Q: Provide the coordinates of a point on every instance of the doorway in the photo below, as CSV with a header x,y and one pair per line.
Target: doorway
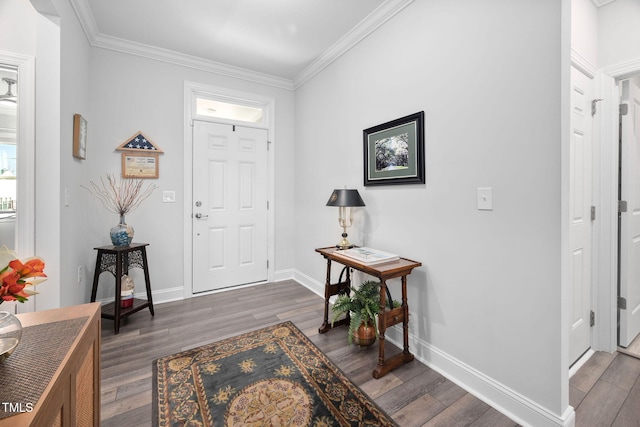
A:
x,y
628,283
255,112
8,155
230,205
580,208
17,160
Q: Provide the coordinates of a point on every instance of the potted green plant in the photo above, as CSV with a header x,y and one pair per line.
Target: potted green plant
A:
x,y
362,306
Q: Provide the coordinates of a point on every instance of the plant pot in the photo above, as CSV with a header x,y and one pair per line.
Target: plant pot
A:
x,y
10,334
365,335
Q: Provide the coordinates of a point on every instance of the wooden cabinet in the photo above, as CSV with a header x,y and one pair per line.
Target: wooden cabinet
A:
x,y
72,396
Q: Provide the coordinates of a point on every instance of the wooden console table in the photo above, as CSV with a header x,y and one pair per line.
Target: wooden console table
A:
x,y
54,373
117,260
386,317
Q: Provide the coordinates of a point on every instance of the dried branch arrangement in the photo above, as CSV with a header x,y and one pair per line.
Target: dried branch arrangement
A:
x,y
122,195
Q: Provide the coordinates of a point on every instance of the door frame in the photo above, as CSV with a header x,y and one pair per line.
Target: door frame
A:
x,y
606,246
590,75
26,186
191,91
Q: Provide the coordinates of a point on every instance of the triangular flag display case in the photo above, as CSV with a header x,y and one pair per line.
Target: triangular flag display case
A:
x,y
139,157
139,142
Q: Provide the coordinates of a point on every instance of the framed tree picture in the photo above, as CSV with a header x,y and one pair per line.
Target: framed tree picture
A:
x,y
394,152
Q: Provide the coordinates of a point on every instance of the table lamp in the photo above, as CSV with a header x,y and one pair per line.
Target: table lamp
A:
x,y
345,199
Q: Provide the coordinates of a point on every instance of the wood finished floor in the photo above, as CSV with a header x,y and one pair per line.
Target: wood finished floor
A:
x,y
606,390
633,349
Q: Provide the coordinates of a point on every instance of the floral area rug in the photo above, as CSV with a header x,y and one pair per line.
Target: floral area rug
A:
x,y
269,377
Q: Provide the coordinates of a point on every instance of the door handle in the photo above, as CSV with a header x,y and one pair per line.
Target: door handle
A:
x,y
200,216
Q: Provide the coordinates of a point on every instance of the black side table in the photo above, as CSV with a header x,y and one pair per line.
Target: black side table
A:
x,y
117,260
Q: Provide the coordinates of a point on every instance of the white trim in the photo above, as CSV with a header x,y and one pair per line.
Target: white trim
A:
x,y
509,402
605,335
583,64
623,69
600,3
375,19
188,189
281,275
25,222
177,58
85,16
26,184
159,297
384,12
565,295
309,282
191,91
580,362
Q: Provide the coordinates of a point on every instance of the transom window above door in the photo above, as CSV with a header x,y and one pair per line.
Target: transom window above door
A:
x,y
230,110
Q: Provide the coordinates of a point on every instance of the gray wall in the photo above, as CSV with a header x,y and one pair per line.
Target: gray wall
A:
x,y
489,293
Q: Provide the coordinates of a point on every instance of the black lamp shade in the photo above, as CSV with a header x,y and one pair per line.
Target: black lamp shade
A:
x,y
344,197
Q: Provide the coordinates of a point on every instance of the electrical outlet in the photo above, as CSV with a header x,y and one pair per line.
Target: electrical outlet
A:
x,y
80,269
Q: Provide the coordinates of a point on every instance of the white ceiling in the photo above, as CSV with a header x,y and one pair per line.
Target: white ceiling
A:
x,y
279,42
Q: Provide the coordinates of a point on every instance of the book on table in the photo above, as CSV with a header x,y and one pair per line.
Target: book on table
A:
x,y
367,256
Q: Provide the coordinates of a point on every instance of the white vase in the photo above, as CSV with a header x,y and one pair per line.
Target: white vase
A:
x,y
10,334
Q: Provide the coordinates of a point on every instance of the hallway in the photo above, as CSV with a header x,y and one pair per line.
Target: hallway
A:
x,y
606,391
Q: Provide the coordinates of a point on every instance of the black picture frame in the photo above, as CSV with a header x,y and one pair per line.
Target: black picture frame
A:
x,y
394,152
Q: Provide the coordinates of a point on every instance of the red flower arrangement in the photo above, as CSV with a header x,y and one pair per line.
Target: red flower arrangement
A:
x,y
18,276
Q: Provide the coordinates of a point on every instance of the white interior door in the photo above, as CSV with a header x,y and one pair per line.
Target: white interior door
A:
x,y
580,211
230,205
629,289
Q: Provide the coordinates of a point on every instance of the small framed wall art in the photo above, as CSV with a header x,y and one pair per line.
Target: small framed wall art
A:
x,y
139,157
394,152
79,137
139,165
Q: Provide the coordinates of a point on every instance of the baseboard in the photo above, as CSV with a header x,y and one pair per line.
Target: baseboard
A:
x,y
281,275
177,293
507,401
580,362
309,283
164,295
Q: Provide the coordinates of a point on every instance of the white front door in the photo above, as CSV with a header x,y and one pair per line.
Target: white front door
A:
x,y
230,205
580,210
630,220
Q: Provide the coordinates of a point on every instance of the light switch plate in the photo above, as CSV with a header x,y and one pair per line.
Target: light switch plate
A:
x,y
485,198
168,197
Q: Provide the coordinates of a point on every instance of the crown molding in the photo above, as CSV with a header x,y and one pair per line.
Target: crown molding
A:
x,y
85,16
583,64
177,58
96,39
599,3
623,70
368,25
375,19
